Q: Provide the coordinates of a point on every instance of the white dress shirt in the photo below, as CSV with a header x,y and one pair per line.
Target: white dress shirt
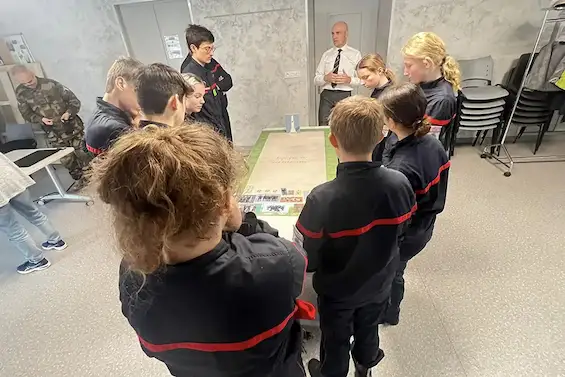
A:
x,y
347,64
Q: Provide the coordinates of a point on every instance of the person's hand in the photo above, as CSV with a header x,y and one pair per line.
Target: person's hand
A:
x,y
47,121
330,77
65,116
342,79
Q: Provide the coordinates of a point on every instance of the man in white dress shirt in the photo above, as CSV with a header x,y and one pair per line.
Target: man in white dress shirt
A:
x,y
336,72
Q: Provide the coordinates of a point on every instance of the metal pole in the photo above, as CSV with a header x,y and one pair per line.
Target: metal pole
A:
x,y
521,89
190,13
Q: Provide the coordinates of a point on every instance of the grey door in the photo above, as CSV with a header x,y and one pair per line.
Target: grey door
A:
x,y
154,31
361,17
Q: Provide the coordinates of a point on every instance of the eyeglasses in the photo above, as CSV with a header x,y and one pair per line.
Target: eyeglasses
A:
x,y
209,49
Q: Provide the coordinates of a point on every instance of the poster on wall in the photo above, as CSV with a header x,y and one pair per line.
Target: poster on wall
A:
x,y
18,48
172,45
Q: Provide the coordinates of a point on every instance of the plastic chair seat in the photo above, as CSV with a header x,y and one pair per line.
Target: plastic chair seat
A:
x,y
480,112
480,117
484,93
483,105
475,124
531,121
532,114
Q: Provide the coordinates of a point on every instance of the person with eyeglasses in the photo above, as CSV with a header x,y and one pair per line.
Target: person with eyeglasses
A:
x,y
200,43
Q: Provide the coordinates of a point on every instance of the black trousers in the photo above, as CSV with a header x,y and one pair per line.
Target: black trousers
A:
x,y
328,99
341,320
396,293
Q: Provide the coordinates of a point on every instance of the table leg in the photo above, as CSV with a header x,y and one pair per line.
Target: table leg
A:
x,y
61,193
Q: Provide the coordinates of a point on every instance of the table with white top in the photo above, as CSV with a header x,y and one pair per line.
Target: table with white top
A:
x,y
46,164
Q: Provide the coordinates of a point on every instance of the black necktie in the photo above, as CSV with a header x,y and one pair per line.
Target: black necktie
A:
x,y
336,64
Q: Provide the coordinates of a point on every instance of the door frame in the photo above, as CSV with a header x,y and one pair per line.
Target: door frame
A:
x,y
123,31
384,16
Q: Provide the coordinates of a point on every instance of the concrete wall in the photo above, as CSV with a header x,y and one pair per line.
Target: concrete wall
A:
x,y
257,42
77,40
504,29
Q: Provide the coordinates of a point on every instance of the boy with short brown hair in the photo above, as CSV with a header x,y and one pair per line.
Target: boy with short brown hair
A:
x,y
114,111
350,228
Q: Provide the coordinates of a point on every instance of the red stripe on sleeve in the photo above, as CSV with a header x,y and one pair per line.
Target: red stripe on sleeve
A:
x,y
309,233
374,223
219,347
93,150
435,180
216,67
439,122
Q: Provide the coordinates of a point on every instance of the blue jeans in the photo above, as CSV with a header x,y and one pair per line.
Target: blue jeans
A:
x,y
17,234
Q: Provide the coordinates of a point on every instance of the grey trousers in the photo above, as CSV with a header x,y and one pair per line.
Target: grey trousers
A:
x,y
328,99
17,234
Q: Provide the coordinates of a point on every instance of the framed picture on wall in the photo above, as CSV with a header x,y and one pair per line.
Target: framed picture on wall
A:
x,y
18,48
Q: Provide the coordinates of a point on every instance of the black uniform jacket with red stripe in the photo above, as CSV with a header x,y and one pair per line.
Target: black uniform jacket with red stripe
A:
x,y
424,162
228,313
442,103
350,228
212,110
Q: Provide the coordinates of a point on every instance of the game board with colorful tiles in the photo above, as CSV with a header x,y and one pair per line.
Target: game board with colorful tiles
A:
x,y
273,202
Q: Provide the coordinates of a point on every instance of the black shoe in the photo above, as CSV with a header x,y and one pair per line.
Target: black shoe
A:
x,y
362,371
314,367
29,267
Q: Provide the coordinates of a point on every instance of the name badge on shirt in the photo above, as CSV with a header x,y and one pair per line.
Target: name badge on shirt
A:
x,y
297,237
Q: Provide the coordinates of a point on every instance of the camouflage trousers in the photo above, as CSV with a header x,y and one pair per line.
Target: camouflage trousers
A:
x,y
76,163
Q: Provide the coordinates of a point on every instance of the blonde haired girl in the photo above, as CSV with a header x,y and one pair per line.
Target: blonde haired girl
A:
x,y
427,64
375,74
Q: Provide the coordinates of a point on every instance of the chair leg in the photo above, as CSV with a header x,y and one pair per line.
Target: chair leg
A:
x,y
495,133
543,129
477,134
522,129
485,133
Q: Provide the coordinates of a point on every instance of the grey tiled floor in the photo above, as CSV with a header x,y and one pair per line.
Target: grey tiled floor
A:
x,y
486,298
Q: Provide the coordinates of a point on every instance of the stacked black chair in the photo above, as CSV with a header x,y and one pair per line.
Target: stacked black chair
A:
x,y
533,111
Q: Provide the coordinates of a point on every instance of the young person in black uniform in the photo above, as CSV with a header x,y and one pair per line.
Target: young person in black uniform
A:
x,y
375,75
200,42
350,228
114,111
194,101
423,160
161,92
427,64
204,299
225,83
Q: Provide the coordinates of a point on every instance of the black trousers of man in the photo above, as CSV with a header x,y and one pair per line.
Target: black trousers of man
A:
x,y
339,321
328,99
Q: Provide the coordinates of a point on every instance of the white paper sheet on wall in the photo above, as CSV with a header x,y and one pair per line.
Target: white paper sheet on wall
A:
x,y
172,45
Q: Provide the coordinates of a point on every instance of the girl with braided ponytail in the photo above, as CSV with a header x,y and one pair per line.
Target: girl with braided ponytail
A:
x,y
427,64
423,160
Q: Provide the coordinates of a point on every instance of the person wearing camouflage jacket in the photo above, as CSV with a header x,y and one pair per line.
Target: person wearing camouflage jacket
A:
x,y
55,107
